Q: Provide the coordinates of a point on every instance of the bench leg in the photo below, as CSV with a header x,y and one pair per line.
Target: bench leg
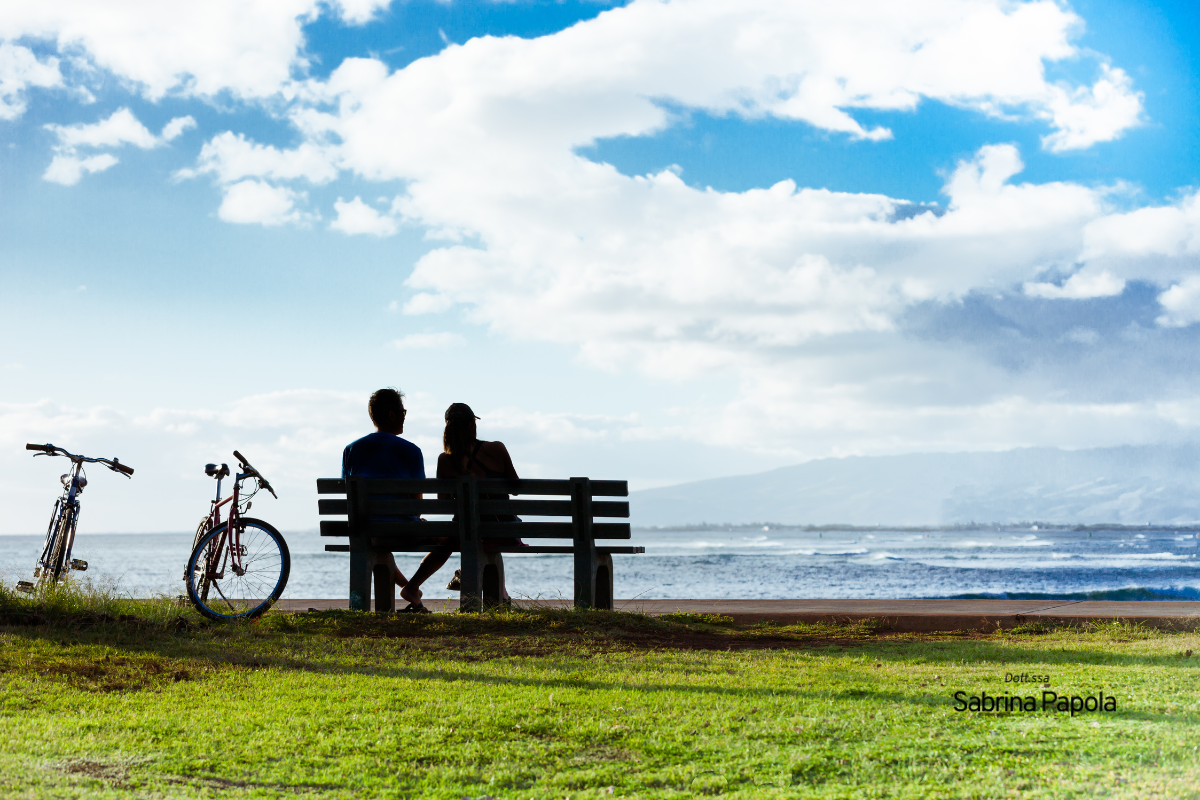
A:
x,y
604,582
470,577
493,578
361,563
385,587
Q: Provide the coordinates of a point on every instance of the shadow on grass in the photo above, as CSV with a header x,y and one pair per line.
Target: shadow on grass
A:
x,y
170,634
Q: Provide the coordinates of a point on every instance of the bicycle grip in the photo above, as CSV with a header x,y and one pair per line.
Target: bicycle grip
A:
x,y
45,448
123,468
240,457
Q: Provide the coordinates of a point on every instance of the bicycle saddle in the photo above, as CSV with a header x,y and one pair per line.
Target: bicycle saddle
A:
x,y
213,471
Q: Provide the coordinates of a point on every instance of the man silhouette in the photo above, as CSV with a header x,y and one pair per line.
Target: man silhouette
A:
x,y
384,455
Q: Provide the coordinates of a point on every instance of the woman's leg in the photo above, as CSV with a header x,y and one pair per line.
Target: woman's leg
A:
x,y
429,565
382,556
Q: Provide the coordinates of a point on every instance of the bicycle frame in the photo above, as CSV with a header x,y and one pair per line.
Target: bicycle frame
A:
x,y
233,533
66,503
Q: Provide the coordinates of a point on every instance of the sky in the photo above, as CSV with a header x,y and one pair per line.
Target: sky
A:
x,y
653,241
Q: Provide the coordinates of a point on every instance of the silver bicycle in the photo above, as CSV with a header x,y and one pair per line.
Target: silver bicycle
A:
x,y
60,536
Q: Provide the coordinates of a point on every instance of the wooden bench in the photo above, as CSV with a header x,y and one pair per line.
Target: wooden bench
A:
x,y
366,505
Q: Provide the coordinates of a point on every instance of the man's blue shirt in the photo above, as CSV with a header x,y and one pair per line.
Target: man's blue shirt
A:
x,y
383,455
386,456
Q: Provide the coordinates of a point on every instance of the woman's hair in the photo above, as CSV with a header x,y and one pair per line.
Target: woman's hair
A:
x,y
460,430
385,404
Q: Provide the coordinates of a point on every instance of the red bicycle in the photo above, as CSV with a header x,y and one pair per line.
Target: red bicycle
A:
x,y
238,567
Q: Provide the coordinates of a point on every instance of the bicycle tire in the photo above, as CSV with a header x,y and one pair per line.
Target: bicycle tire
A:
x,y
267,562
56,565
48,545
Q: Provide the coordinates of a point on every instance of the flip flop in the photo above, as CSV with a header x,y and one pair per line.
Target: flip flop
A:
x,y
414,609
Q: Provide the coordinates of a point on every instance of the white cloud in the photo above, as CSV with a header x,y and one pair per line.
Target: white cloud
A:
x,y
360,12
69,169
175,128
121,127
1084,116
428,341
425,303
1181,303
246,48
1082,285
357,217
19,70
255,202
231,157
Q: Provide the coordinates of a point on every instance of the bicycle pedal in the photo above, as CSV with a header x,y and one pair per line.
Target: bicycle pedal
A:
x,y
79,564
25,586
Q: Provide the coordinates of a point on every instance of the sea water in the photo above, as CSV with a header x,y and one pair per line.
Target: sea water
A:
x,y
737,563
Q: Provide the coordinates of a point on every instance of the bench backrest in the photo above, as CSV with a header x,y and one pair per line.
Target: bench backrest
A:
x,y
367,504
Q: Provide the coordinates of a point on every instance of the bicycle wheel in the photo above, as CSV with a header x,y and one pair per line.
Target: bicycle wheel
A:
x,y
54,564
218,591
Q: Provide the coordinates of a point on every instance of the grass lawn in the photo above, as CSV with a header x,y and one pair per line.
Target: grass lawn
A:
x,y
557,704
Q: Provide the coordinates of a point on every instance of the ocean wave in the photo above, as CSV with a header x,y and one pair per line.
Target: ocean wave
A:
x,y
859,552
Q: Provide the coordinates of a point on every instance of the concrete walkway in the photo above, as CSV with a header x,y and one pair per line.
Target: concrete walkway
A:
x,y
901,615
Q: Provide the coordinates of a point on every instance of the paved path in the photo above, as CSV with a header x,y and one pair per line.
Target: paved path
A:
x,y
903,615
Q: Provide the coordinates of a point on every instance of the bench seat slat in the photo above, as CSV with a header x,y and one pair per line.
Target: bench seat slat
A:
x,y
533,530
618,550
552,530
550,488
550,508
533,486
389,506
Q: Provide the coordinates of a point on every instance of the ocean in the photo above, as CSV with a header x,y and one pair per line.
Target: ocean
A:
x,y
737,563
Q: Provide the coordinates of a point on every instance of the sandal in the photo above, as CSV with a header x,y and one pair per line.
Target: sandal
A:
x,y
455,583
418,608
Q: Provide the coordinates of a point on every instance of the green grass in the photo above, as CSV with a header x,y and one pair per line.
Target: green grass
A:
x,y
554,704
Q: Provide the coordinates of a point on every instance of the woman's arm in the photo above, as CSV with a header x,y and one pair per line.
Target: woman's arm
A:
x,y
444,470
500,453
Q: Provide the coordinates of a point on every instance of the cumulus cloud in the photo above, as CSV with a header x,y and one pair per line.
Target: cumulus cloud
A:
x,y
19,70
231,157
68,170
1181,304
1084,116
1080,286
360,12
255,202
121,127
357,217
175,128
246,48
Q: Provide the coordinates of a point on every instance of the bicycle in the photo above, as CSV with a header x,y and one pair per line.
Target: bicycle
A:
x,y
238,568
60,535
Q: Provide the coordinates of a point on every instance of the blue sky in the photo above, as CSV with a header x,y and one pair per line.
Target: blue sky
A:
x,y
576,218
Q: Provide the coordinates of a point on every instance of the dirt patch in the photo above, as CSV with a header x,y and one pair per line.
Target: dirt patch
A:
x,y
110,674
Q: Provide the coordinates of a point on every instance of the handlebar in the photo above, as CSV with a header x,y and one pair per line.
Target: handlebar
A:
x,y
112,463
249,470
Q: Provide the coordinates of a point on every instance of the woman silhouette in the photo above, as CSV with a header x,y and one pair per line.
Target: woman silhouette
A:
x,y
464,454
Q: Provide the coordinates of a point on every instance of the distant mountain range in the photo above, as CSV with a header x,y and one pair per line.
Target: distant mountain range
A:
x,y
1126,485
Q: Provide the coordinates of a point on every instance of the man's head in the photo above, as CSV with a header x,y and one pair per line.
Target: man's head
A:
x,y
386,408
